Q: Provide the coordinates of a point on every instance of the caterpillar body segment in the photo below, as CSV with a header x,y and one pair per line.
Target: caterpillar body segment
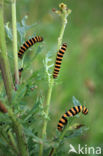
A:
x,y
59,58
28,44
71,112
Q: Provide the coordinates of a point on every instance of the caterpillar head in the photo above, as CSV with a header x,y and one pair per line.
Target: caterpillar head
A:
x,y
21,69
65,45
40,38
85,110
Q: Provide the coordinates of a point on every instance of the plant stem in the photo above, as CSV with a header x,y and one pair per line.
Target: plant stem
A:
x,y
46,112
12,142
4,63
63,13
15,41
64,22
53,151
22,146
47,105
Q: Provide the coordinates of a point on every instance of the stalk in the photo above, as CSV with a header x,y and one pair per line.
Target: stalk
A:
x,y
53,151
63,13
12,142
4,63
64,22
4,66
47,106
18,129
15,41
46,112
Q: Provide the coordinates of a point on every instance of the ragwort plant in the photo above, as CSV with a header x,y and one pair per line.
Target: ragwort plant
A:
x,y
20,132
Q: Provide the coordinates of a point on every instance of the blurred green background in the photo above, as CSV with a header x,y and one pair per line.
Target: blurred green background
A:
x,y
81,74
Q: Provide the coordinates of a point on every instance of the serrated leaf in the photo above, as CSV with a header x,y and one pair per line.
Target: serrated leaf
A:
x,y
77,132
8,31
75,101
33,111
17,96
48,67
39,49
23,28
29,132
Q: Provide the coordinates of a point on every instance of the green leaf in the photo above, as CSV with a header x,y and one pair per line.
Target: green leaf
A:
x,y
32,111
22,28
76,132
47,66
8,31
17,96
75,101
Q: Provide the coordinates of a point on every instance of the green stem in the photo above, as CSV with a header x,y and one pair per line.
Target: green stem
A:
x,y
60,139
15,41
46,112
9,141
64,14
64,22
47,106
4,63
12,142
22,146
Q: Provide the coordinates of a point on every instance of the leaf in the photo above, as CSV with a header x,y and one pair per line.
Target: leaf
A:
x,y
75,101
8,31
17,96
33,111
48,67
35,138
29,64
23,28
76,132
39,49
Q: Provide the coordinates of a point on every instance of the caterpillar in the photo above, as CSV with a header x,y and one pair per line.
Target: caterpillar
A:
x,y
71,112
28,44
20,71
59,58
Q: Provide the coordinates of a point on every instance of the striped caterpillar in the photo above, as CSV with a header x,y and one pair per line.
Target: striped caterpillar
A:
x,y
28,44
71,112
59,60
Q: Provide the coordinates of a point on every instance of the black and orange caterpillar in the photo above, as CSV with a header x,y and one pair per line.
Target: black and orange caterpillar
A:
x,y
20,71
59,60
71,112
28,44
